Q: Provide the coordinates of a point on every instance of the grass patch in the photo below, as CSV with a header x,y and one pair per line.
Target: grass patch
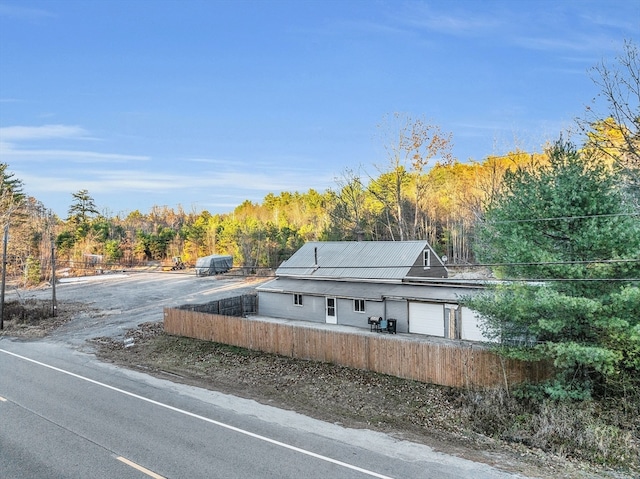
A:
x,y
27,312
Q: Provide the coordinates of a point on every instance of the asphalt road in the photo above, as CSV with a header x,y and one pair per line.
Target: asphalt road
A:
x,y
64,414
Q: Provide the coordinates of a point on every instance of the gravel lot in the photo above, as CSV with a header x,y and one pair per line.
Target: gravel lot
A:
x,y
110,304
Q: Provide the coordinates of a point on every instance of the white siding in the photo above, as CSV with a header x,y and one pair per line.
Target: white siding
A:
x,y
426,318
471,325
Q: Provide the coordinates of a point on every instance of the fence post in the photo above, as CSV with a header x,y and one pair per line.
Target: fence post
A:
x,y
4,273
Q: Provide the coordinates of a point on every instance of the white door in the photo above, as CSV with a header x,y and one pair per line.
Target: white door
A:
x,y
426,318
332,317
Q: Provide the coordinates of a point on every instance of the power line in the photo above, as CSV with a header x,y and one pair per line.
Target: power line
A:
x,y
469,265
546,280
545,263
118,266
554,218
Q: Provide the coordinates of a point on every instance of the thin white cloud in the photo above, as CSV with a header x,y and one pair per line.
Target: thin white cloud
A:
x,y
210,161
13,11
463,22
364,26
97,181
11,155
456,25
547,31
574,43
609,21
17,145
141,181
268,165
36,184
411,20
10,134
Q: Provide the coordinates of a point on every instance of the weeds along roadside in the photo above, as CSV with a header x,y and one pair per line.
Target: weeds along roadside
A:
x,y
604,432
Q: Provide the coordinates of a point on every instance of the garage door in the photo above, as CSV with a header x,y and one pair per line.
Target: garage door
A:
x,y
426,318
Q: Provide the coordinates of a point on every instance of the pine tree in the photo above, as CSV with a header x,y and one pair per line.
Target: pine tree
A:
x,y
565,233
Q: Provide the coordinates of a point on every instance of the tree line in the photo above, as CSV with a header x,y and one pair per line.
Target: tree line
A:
x,y
441,205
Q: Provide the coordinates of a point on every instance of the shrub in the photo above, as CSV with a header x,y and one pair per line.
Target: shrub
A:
x,y
32,271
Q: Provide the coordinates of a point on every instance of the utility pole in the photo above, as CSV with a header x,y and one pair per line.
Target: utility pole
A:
x,y
4,273
54,304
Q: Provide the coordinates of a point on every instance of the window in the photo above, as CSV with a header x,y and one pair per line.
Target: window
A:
x,y
297,299
426,259
358,305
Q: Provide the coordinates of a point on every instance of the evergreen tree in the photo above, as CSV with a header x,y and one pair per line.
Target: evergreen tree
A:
x,y
564,230
11,194
81,211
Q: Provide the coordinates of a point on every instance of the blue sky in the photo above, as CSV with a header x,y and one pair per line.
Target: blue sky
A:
x,y
205,104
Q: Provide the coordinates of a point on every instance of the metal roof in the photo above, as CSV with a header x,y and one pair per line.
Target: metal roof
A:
x,y
377,260
371,291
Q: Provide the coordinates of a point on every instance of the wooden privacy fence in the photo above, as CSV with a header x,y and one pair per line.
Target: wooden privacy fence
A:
x,y
448,363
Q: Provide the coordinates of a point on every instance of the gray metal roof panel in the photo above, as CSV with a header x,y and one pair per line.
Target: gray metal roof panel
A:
x,y
354,259
369,291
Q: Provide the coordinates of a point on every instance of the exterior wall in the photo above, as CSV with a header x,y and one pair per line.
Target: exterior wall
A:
x,y
435,270
279,305
348,317
398,309
388,309
313,309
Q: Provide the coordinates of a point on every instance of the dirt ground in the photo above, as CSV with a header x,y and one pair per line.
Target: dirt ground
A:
x,y
410,410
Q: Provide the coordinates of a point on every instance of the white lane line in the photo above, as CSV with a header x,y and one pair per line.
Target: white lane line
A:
x,y
202,418
140,468
2,399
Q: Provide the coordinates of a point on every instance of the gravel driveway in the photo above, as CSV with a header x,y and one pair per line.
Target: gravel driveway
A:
x,y
109,304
